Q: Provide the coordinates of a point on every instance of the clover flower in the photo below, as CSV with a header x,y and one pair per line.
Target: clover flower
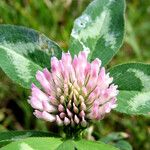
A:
x,y
74,92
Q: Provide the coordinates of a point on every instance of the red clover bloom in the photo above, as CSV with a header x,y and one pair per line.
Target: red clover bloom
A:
x,y
74,92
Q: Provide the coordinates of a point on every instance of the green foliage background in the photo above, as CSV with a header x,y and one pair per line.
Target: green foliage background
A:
x,y
55,19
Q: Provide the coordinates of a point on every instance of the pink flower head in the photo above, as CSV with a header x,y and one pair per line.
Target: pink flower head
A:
x,y
74,91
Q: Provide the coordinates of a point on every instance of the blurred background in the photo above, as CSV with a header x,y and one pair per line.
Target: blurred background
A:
x,y
55,19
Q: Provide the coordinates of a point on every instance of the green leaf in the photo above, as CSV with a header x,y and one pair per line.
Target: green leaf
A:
x,y
116,139
133,80
52,143
41,143
23,51
11,136
67,145
114,136
99,29
90,145
123,145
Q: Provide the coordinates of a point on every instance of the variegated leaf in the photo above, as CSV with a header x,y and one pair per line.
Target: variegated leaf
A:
x,y
91,145
100,29
23,51
38,143
11,136
56,144
133,80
